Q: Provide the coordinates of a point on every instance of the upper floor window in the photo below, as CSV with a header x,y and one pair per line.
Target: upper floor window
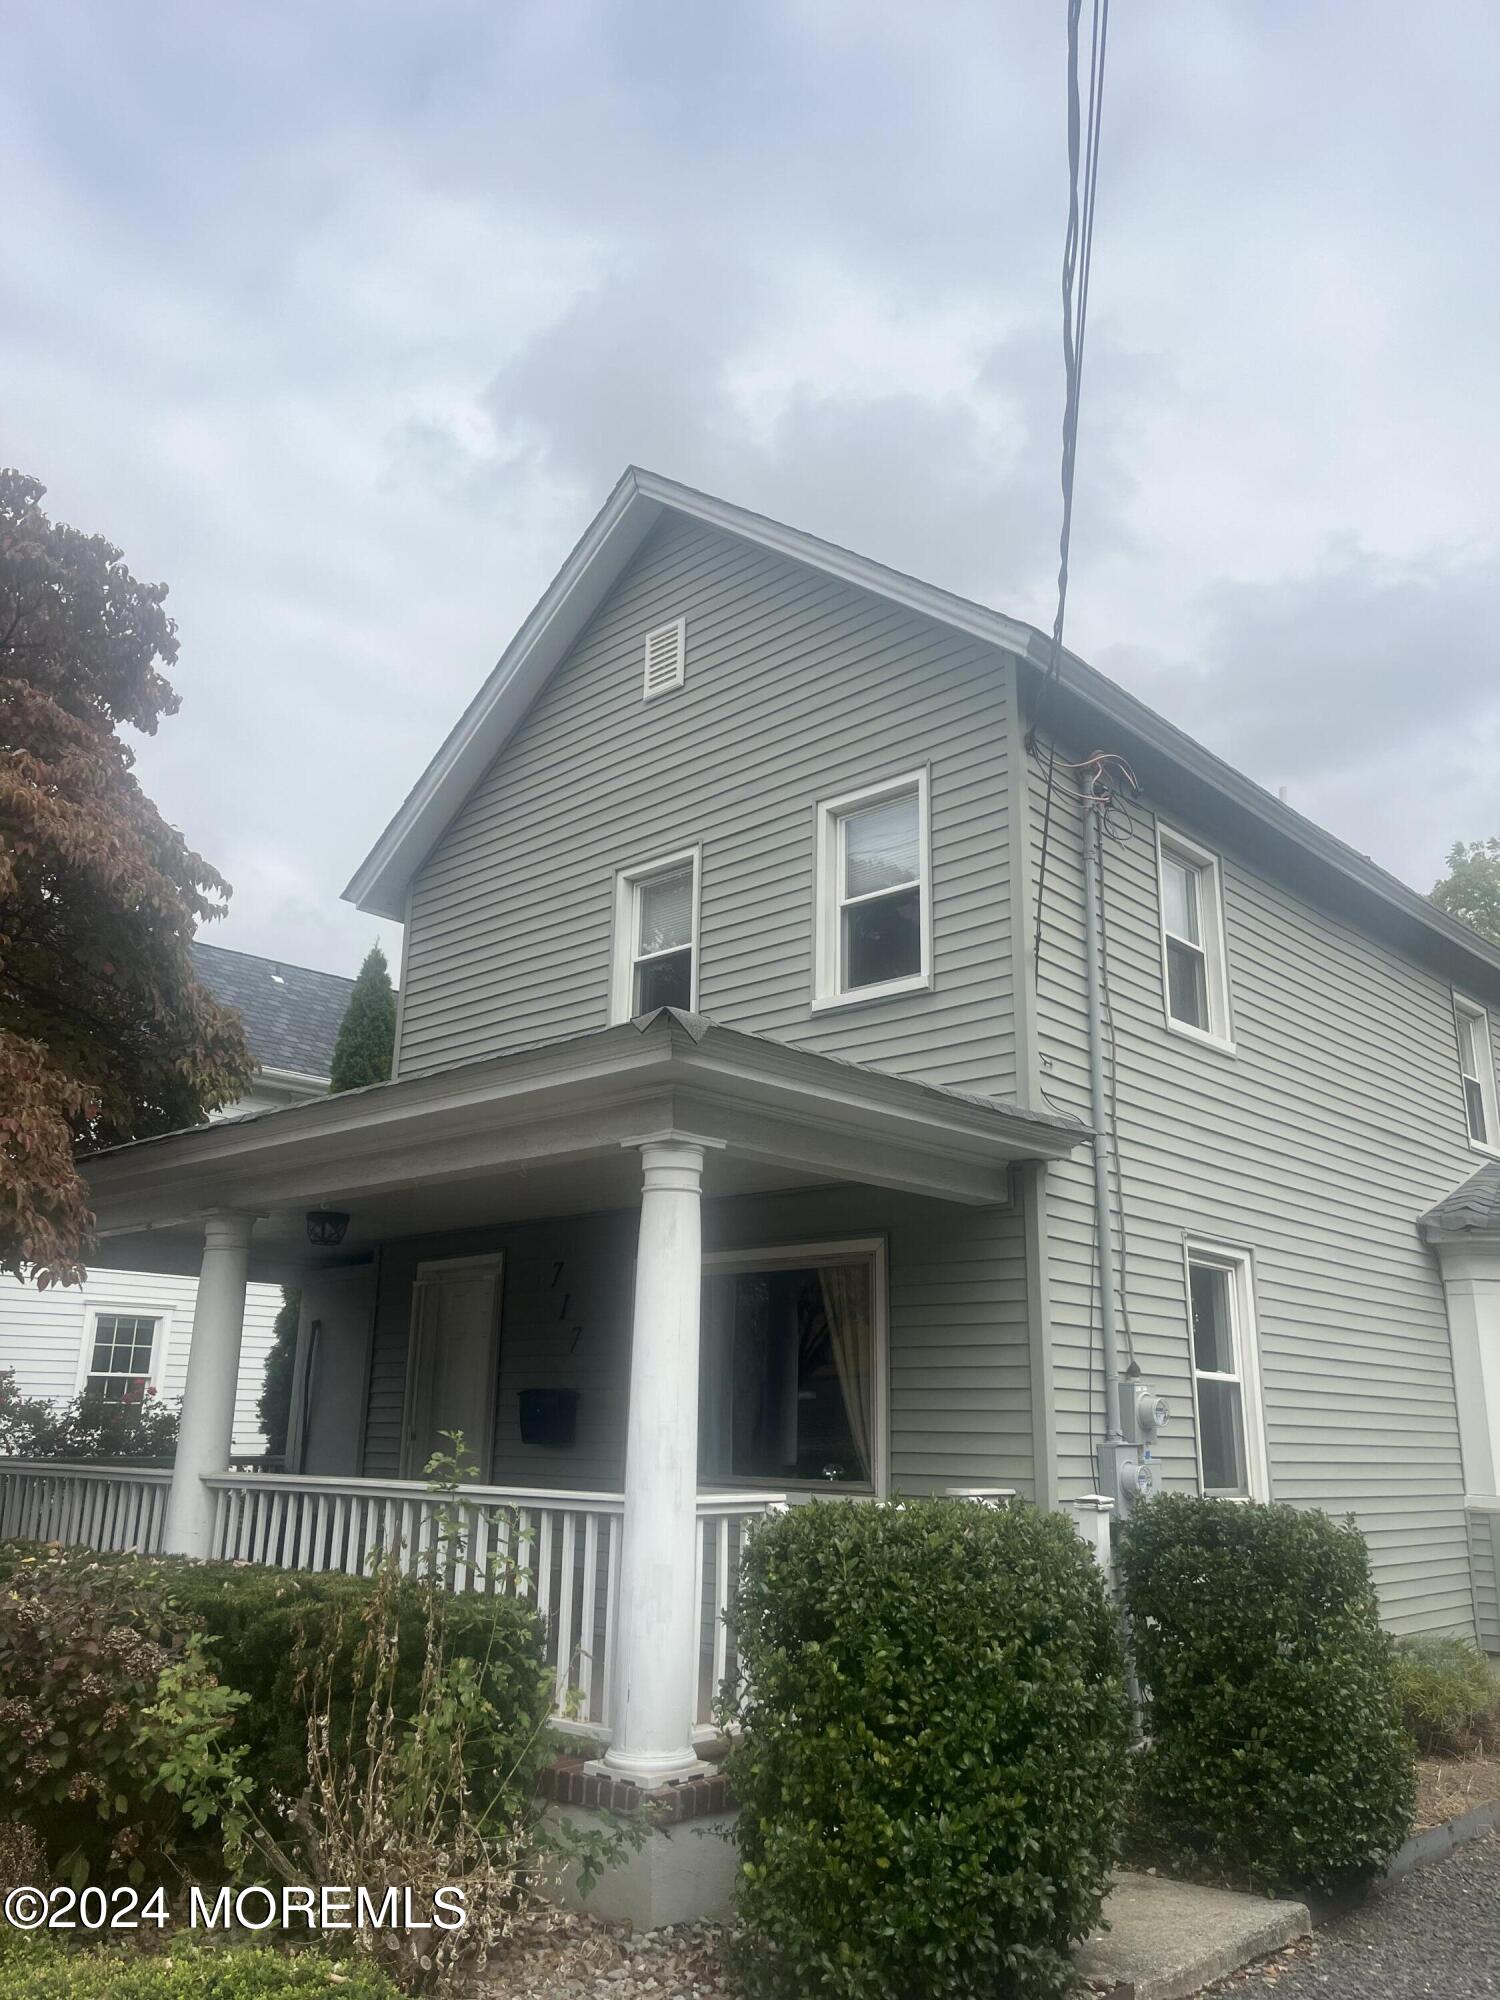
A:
x,y
1476,1065
1194,969
874,895
656,937
1226,1375
120,1363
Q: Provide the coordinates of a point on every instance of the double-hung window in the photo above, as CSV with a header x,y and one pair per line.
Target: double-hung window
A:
x,y
1226,1375
656,937
120,1363
1194,970
1476,1066
874,896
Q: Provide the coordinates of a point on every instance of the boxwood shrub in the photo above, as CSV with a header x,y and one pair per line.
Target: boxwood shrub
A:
x,y
262,1628
1275,1750
933,1761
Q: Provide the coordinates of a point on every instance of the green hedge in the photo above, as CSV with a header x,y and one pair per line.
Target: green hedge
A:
x,y
264,1628
1275,1749
38,1968
933,1764
1449,1695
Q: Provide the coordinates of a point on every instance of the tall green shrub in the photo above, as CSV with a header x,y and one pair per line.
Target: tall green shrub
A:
x,y
366,1041
932,1769
274,1407
1275,1751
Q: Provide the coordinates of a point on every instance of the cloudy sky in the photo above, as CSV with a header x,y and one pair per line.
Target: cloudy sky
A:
x,y
343,317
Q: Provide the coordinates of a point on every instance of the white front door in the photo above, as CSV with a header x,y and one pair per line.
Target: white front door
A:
x,y
450,1374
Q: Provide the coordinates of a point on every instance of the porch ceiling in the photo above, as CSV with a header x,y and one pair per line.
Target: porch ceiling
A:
x,y
544,1132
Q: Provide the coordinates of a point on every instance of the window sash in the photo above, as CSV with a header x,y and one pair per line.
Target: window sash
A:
x,y
1476,1068
1224,1421
1195,972
121,1352
906,799
632,886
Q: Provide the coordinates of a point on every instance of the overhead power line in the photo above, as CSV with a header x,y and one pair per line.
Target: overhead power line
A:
x,y
1084,124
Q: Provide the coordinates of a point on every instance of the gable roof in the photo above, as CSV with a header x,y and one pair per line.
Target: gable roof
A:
x,y
1471,1210
640,500
291,1013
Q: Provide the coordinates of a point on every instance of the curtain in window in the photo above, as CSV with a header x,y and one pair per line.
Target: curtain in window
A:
x,y
846,1301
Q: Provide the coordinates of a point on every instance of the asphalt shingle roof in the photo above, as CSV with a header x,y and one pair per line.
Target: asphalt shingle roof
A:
x,y
291,1013
1471,1210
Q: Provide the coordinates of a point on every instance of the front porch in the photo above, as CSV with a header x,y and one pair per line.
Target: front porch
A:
x,y
662,1278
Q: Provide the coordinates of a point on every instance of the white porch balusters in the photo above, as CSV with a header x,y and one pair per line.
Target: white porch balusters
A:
x,y
656,1645
205,1430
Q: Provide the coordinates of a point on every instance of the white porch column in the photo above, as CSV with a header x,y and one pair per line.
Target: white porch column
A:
x,y
656,1645
205,1430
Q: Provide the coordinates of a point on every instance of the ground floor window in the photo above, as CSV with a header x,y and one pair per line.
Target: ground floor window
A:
x,y
119,1368
1226,1375
793,1365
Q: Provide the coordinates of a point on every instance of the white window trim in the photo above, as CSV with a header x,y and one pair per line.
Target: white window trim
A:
x,y
1220,1031
788,1256
1466,1007
1240,1267
623,959
160,1339
829,813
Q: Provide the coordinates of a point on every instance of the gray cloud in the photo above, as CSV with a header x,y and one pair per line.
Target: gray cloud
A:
x,y
343,319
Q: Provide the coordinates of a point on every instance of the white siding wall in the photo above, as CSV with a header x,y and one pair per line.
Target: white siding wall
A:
x,y
1316,1145
42,1336
798,689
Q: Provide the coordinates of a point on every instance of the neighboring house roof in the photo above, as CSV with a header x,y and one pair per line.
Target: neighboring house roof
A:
x,y
1471,1210
291,1013
639,501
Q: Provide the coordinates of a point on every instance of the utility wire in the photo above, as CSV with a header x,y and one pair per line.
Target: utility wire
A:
x,y
1084,126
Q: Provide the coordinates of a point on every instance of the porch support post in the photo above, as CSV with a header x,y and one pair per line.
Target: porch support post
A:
x,y
656,1645
205,1430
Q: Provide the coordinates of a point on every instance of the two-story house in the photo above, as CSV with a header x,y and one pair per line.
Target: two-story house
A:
x,y
123,1334
755,1049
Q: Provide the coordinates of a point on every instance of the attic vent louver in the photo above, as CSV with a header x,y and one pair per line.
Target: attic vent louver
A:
x,y
666,650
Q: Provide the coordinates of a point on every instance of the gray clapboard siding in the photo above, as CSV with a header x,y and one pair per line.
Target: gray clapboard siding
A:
x,y
959,1384
798,688
1315,1145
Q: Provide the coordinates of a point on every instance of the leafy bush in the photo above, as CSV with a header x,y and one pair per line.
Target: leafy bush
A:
x,y
38,1968
933,1761
1275,1748
86,1428
1449,1695
114,1733
263,1630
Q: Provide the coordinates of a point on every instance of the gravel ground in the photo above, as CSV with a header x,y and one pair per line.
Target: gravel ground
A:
x,y
1436,1933
581,1959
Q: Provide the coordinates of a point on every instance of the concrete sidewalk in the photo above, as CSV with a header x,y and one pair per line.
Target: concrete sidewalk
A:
x,y
1167,1939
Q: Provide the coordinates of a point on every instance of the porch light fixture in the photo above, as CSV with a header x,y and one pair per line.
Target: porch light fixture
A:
x,y
326,1226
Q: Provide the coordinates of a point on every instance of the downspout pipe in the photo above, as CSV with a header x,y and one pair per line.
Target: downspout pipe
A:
x,y
1104,1213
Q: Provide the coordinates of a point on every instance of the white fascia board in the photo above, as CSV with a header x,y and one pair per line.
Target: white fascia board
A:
x,y
575,1096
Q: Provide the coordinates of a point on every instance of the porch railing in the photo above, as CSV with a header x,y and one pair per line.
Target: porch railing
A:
x,y
560,1549
104,1507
